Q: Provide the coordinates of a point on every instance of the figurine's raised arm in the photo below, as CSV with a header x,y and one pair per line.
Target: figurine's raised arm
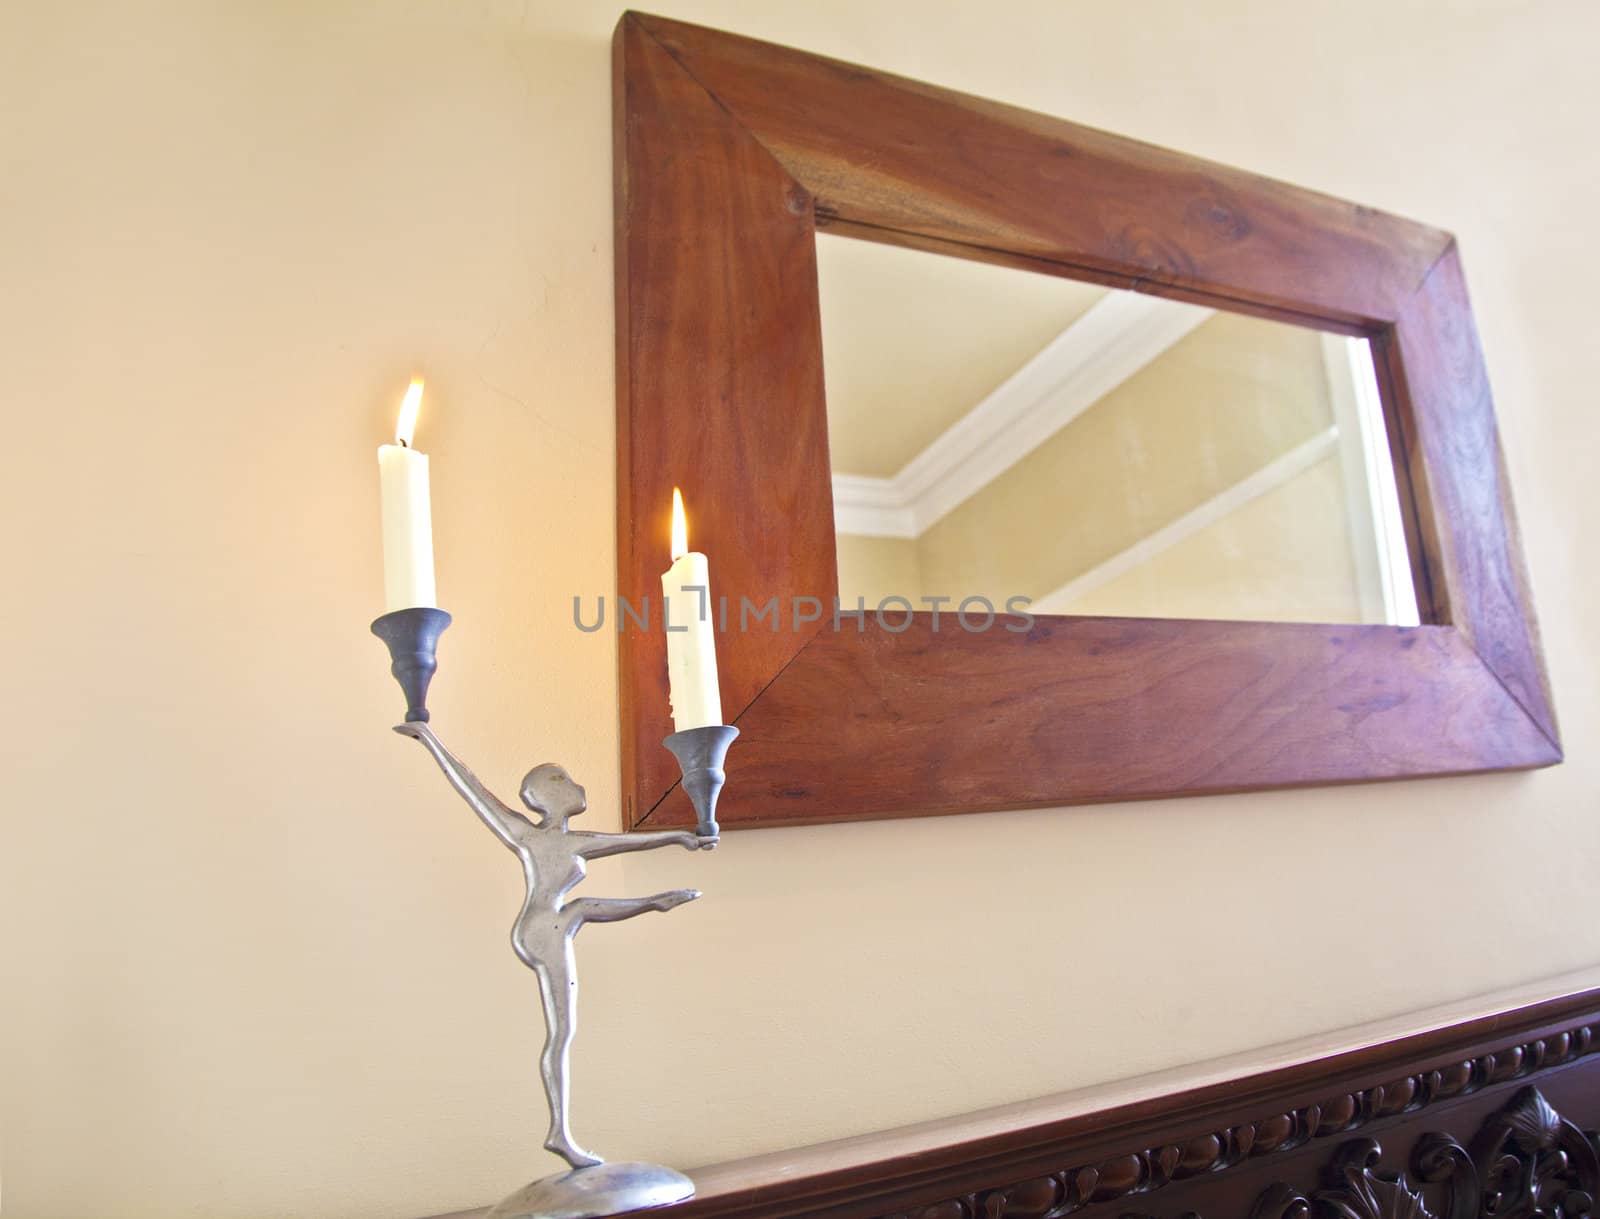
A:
x,y
507,824
598,846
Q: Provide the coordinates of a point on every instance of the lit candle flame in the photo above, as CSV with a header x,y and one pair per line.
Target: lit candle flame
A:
x,y
406,426
680,527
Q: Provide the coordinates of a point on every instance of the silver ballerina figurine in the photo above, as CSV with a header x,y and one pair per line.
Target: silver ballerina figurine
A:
x,y
554,860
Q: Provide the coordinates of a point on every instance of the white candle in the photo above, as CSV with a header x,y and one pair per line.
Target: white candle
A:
x,y
691,641
407,514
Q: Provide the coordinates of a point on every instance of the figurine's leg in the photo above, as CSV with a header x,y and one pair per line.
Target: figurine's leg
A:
x,y
558,982
615,909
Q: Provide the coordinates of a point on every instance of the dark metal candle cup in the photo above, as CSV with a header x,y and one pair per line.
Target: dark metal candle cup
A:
x,y
413,639
701,753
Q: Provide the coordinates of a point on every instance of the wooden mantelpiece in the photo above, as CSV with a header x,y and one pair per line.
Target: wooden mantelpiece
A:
x,y
1454,1109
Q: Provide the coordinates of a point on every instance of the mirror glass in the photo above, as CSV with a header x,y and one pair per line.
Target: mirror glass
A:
x,y
1001,434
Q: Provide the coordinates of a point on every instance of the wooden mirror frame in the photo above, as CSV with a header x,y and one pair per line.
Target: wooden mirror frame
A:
x,y
729,154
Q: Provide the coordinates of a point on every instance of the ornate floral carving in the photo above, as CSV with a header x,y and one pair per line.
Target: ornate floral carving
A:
x,y
1526,1163
1359,1192
1531,1164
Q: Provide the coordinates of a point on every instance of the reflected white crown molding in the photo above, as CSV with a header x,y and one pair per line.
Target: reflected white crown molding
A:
x,y
1270,476
1115,338
871,507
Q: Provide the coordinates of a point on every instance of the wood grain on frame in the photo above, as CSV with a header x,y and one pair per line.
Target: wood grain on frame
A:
x,y
719,387
729,153
907,157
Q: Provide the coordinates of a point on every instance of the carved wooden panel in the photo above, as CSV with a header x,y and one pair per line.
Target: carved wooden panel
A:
x,y
1526,1162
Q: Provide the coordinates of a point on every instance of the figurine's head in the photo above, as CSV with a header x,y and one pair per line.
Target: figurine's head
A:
x,y
550,791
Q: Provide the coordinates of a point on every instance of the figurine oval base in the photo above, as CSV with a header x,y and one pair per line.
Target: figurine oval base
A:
x,y
595,1191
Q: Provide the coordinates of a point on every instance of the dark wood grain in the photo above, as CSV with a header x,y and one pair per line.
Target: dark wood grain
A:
x,y
1509,1095
946,721
902,155
730,153
1459,469
719,369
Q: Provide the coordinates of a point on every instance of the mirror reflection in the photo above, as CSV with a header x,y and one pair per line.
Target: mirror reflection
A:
x,y
1002,434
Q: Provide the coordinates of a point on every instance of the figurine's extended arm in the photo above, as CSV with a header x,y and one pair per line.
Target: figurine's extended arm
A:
x,y
508,824
598,846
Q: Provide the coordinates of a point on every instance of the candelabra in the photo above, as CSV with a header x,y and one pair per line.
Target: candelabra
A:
x,y
553,860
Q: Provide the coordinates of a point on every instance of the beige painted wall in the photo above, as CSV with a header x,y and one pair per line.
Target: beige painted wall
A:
x,y
255,954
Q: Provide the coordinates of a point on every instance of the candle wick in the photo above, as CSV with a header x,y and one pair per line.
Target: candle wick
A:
x,y
403,444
